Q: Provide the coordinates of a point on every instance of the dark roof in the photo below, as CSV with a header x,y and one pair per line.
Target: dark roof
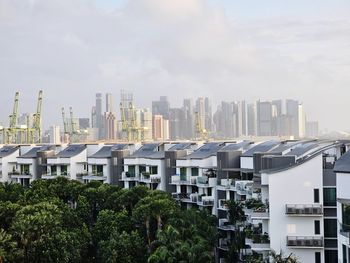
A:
x,y
343,164
7,150
206,150
303,148
180,146
71,150
261,147
106,151
284,146
32,153
235,146
145,151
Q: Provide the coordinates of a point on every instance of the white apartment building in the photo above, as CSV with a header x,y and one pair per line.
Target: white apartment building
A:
x,y
8,161
102,164
342,170
70,161
196,178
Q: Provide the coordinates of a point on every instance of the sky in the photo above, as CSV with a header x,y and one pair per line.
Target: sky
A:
x,y
224,49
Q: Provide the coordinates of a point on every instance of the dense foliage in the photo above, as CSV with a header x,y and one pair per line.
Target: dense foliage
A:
x,y
66,221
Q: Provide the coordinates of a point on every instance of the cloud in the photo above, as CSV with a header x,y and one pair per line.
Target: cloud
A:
x,y
183,48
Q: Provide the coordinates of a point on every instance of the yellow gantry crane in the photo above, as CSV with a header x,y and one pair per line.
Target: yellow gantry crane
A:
x,y
15,133
130,126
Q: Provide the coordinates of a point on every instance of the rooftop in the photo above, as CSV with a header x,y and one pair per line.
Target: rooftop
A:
x,y
71,151
207,150
7,150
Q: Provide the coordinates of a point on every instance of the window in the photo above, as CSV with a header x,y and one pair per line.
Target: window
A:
x,y
64,170
142,169
316,195
329,197
194,171
131,170
53,170
346,217
317,227
183,171
330,227
153,170
345,260
317,257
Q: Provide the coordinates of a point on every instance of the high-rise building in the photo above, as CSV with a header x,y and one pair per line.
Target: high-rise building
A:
x,y
252,119
189,119
109,102
110,126
176,123
264,118
93,117
292,110
161,107
301,121
55,135
98,108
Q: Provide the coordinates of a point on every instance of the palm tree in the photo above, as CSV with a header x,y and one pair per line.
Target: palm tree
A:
x,y
280,258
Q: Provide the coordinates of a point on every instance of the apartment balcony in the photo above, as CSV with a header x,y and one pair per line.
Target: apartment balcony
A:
x,y
223,244
205,200
226,184
204,181
183,180
244,187
183,197
145,177
155,178
223,204
261,213
258,242
54,175
225,225
127,176
305,241
20,175
304,210
93,176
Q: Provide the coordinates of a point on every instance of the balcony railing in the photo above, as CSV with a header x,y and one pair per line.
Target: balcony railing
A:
x,y
223,204
183,179
305,241
129,176
305,209
202,180
226,183
205,200
181,196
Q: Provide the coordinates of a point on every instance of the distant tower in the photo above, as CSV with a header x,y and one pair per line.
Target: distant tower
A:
x,y
98,108
109,102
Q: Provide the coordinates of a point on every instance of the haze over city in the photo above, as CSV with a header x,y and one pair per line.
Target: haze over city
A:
x,y
226,50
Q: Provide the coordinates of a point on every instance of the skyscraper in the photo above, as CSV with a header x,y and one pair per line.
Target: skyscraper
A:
x,y
161,107
264,118
98,109
252,119
109,102
292,110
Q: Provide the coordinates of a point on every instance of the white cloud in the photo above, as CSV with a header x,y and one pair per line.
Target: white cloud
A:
x,y
182,48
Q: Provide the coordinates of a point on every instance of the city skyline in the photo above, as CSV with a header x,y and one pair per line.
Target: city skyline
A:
x,y
216,49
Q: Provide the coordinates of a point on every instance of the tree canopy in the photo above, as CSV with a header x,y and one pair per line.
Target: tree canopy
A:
x,y
61,220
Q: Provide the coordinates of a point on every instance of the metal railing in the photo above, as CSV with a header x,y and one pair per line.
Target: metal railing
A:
x,y
304,209
305,241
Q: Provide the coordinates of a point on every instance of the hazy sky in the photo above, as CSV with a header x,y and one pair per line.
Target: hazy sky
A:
x,y
226,49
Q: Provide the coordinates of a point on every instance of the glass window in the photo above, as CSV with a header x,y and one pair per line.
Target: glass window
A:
x,y
64,170
142,168
330,227
154,170
317,227
329,197
346,216
194,171
131,170
183,170
317,257
316,195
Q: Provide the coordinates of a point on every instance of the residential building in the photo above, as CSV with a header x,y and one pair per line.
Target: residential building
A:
x,y
8,162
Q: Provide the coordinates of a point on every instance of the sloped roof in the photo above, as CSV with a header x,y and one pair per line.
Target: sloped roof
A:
x,y
7,150
261,147
145,151
106,151
180,146
71,151
207,150
235,146
343,164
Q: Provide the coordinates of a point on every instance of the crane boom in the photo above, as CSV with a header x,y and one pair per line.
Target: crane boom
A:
x,y
37,116
64,121
72,120
14,115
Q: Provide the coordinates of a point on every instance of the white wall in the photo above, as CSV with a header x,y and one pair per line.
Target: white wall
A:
x,y
294,186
